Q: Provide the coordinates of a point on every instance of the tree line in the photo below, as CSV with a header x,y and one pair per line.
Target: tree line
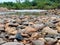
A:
x,y
35,4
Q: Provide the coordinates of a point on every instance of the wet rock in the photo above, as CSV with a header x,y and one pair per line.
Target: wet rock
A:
x,y
19,37
13,43
38,42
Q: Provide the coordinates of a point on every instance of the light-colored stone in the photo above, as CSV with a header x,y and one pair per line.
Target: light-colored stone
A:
x,y
13,43
49,31
30,29
35,35
50,41
11,30
37,42
2,41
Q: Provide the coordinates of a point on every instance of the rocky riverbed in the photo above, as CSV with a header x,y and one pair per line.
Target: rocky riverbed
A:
x,y
29,30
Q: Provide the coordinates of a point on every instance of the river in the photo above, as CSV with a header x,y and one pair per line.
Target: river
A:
x,y
14,11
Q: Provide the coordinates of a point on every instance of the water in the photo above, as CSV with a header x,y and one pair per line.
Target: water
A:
x,y
22,12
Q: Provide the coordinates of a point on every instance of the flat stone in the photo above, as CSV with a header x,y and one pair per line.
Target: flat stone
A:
x,y
49,31
37,42
50,41
39,26
30,29
13,24
11,30
13,43
2,41
12,37
35,35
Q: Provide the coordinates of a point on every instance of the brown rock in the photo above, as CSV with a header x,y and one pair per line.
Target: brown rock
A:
x,y
30,29
58,43
11,30
58,27
35,35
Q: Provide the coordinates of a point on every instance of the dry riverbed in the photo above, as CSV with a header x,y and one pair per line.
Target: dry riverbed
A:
x,y
29,30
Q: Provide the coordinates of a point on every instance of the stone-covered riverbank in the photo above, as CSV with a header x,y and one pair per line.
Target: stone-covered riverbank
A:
x,y
29,30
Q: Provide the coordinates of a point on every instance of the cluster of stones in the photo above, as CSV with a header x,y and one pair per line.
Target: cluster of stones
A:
x,y
29,30
54,11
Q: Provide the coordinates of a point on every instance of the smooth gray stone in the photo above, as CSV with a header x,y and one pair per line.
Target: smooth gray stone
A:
x,y
38,42
13,43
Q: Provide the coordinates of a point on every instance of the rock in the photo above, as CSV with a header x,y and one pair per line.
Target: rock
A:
x,y
50,41
11,30
37,42
12,37
2,27
30,29
39,26
27,44
3,9
2,41
26,23
50,24
58,27
20,27
35,35
13,43
19,37
58,43
13,24
49,31
2,35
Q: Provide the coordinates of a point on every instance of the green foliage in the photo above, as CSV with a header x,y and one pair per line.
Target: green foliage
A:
x,y
35,4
